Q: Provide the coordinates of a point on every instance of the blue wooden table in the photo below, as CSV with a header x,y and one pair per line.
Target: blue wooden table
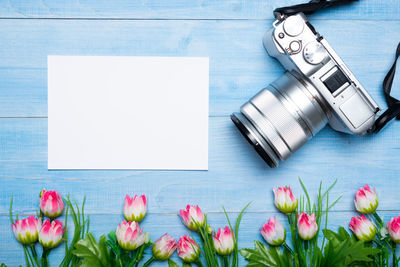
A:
x,y
364,34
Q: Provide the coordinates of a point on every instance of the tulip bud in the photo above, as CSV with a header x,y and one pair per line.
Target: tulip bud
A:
x,y
285,201
224,241
306,226
366,200
135,208
363,228
51,233
188,250
164,247
209,230
273,232
129,235
26,231
393,228
192,217
51,203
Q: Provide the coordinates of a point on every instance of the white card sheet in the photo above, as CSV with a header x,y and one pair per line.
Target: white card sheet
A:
x,y
107,112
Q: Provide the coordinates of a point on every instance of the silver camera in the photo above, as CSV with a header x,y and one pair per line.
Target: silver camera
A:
x,y
316,90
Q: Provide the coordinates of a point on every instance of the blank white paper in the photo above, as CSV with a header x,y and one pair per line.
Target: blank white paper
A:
x,y
107,112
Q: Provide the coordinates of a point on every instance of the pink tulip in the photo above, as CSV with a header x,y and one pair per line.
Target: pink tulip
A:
x,y
224,241
394,229
26,231
164,247
366,200
135,208
188,250
306,226
285,201
273,232
51,203
129,235
192,217
363,228
51,233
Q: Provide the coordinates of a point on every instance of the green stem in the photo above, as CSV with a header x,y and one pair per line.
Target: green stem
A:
x,y
147,263
34,254
226,261
45,254
394,254
120,262
11,202
378,219
27,258
199,263
289,249
139,256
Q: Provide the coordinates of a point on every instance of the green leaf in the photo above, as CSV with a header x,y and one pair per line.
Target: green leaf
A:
x,y
343,250
171,263
263,256
186,264
93,253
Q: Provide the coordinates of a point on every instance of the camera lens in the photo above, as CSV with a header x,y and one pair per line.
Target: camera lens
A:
x,y
282,117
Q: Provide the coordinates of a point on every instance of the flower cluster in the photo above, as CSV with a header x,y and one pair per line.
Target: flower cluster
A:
x,y
274,233
49,232
126,245
369,226
366,202
221,242
129,235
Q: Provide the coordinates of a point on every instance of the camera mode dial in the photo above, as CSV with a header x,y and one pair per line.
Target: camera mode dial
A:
x,y
314,53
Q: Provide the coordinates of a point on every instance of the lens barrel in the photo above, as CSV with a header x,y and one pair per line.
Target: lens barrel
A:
x,y
282,117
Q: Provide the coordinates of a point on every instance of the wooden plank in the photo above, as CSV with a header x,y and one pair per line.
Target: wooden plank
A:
x,y
195,9
236,173
239,66
156,225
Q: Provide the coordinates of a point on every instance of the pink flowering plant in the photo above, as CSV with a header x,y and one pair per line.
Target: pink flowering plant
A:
x,y
218,248
49,232
370,228
305,221
304,240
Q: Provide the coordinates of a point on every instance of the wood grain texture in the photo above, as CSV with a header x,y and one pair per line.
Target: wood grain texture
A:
x,y
229,32
181,9
236,174
239,65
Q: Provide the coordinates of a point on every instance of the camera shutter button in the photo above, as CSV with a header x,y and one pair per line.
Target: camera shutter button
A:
x,y
295,46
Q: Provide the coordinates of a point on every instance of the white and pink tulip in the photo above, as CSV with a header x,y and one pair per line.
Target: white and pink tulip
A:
x,y
164,247
26,231
192,217
393,228
366,200
285,200
363,228
224,242
129,235
307,226
188,249
273,232
51,203
135,208
51,233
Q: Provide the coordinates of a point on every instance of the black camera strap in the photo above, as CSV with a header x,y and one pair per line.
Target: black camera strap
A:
x,y
307,8
393,110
